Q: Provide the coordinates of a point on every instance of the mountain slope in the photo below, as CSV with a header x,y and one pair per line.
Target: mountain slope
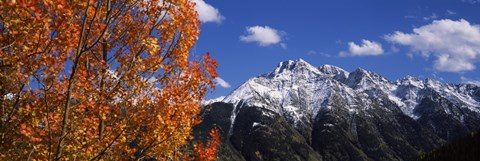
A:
x,y
466,148
343,115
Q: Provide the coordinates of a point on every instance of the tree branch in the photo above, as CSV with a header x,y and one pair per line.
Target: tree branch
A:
x,y
70,86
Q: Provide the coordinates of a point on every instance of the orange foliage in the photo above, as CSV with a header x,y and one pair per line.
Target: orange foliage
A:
x,y
99,79
207,152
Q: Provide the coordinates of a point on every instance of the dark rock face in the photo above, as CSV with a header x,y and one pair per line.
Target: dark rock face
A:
x,y
300,112
370,135
259,134
261,137
255,136
443,124
466,148
218,115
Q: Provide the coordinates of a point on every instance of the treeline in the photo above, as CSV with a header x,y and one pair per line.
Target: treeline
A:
x,y
464,149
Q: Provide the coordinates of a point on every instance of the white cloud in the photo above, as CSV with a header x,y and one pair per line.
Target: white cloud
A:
x,y
431,17
263,35
222,83
394,49
455,45
311,52
471,1
325,55
283,45
450,12
470,81
207,13
410,17
366,48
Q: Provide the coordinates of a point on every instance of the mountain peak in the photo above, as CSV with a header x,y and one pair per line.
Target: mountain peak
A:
x,y
359,73
300,60
409,80
434,84
213,100
298,88
363,79
331,69
328,102
335,72
291,65
361,70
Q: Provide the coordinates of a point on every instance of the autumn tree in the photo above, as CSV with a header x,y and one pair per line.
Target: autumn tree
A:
x,y
207,152
100,79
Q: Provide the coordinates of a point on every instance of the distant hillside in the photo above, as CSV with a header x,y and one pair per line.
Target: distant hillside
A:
x,y
465,149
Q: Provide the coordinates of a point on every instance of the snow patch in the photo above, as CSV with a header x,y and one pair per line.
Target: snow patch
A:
x,y
210,101
328,125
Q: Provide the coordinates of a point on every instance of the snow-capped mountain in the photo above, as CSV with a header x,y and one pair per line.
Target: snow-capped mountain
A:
x,y
375,118
213,100
297,81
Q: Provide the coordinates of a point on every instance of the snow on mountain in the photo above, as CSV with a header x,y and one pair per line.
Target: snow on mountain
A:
x,y
298,90
333,114
210,101
293,89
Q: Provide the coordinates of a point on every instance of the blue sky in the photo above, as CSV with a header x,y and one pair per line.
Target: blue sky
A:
x,y
437,39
